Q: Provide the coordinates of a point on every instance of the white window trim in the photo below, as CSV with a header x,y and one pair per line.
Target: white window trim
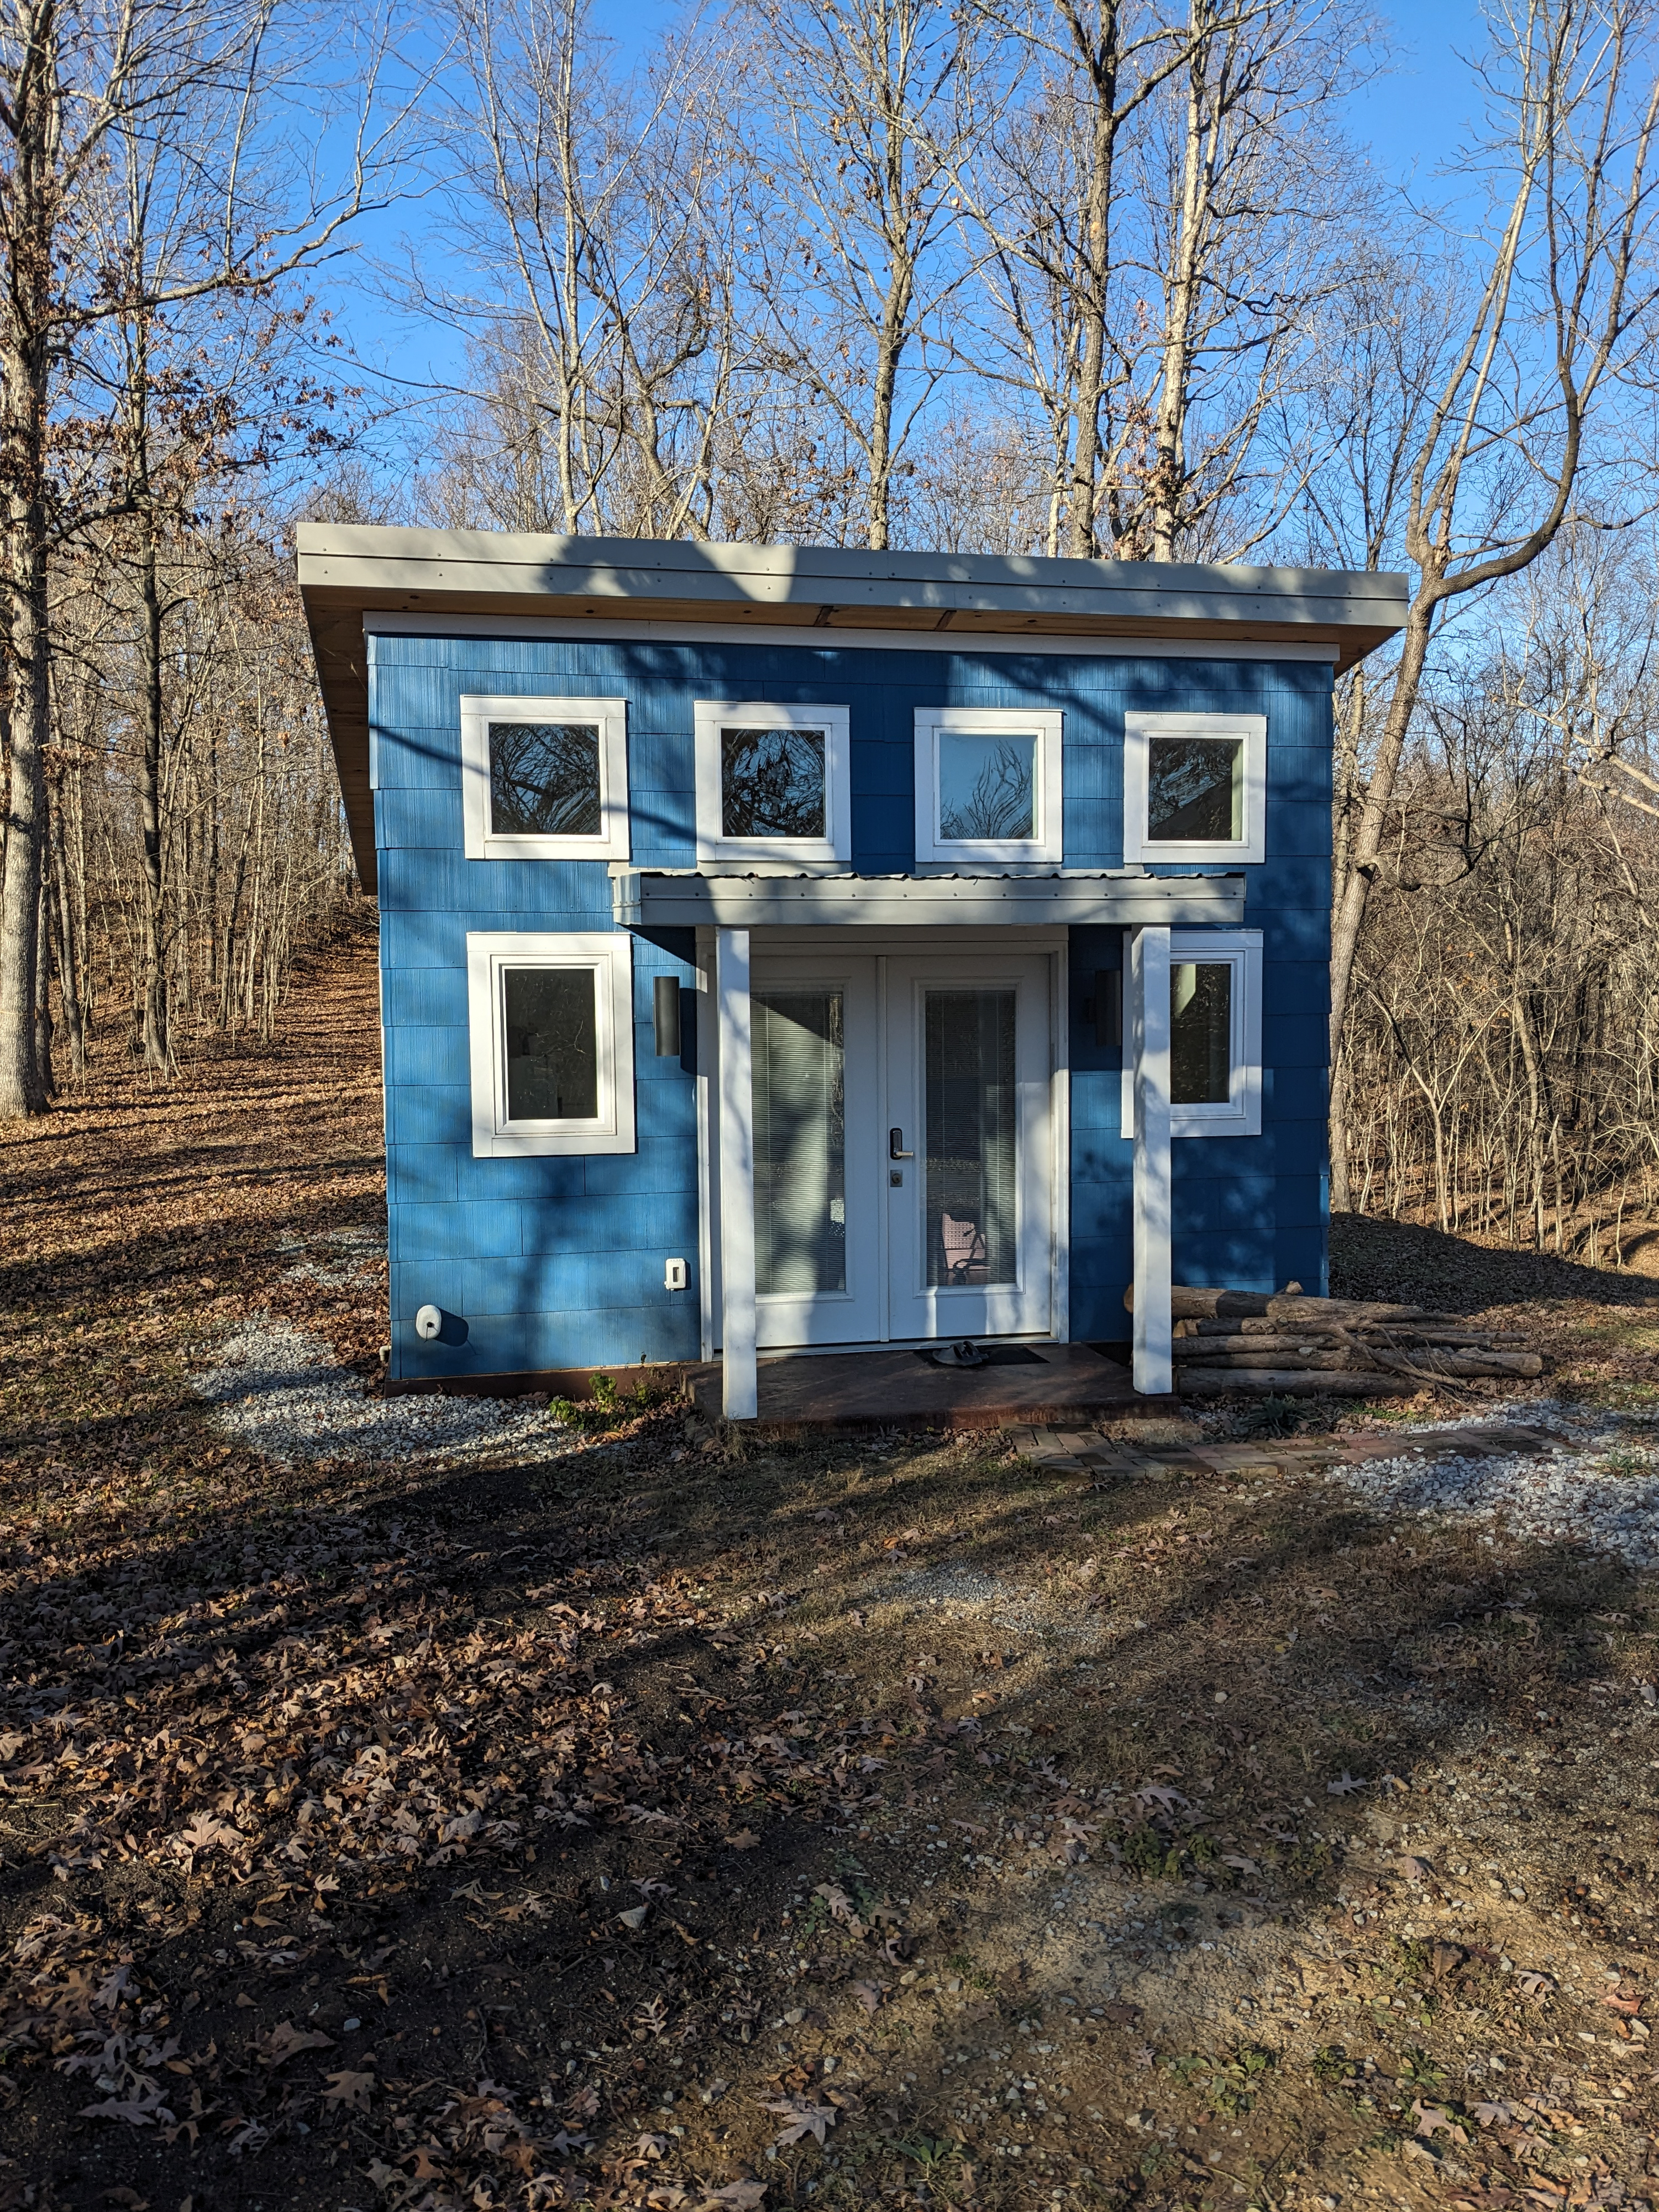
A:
x,y
1241,1116
1138,730
478,711
610,954
1047,849
832,852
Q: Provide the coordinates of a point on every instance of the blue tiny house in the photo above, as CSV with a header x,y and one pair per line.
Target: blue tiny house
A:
x,y
786,948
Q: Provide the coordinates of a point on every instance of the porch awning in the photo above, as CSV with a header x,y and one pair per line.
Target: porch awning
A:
x,y
681,898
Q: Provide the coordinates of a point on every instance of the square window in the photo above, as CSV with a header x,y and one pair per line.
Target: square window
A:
x,y
988,786
1194,787
772,785
1195,790
544,779
551,1023
1215,1035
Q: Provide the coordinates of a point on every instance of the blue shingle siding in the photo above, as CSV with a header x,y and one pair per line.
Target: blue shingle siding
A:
x,y
558,1262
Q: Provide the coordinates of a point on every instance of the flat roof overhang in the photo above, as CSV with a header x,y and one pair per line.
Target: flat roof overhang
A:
x,y
652,899
349,572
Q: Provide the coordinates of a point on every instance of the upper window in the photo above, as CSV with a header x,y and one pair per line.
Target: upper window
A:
x,y
1194,787
544,779
987,786
773,784
551,1022
1215,1036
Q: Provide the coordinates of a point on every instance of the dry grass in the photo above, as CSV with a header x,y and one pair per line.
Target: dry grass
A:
x,y
1185,1842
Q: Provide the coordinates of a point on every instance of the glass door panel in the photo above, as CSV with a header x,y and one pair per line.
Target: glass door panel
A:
x,y
813,1057
971,1119
800,1141
971,1177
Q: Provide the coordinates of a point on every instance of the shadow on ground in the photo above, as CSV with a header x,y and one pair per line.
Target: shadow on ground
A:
x,y
652,1826
1023,1838
1398,1260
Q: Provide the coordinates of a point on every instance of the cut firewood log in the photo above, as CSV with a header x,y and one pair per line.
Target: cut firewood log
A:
x,y
1414,1331
1258,1352
1250,1334
1290,1383
1189,1304
1244,1325
1217,1337
1429,1360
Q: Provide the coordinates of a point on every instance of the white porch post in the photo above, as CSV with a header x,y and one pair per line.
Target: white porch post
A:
x,y
1149,1034
739,1388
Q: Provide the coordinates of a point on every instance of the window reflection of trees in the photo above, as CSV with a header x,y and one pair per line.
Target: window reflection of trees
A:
x,y
1192,790
999,802
772,783
544,779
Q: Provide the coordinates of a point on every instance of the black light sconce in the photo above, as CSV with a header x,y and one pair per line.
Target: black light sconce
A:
x,y
666,1015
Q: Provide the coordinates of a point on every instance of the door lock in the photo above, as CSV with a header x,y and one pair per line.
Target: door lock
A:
x,y
896,1145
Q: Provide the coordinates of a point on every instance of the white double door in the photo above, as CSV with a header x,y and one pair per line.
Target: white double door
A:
x,y
903,1146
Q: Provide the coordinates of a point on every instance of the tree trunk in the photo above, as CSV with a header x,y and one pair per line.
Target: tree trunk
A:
x,y
889,349
26,327
1101,64
157,1042
68,944
1169,430
1354,887
43,1026
21,1089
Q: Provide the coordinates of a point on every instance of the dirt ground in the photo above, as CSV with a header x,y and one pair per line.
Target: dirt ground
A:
x,y
657,1821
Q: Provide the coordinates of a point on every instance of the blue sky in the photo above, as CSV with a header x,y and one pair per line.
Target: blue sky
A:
x,y
1412,117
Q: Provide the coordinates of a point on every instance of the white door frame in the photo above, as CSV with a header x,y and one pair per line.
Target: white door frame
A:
x,y
809,943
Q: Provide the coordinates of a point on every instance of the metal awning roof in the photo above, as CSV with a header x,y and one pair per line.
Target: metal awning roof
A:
x,y
649,899
350,573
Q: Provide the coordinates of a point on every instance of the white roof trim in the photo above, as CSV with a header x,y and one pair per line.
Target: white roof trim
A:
x,y
358,559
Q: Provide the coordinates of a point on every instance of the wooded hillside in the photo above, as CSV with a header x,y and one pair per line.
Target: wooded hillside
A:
x,y
1063,279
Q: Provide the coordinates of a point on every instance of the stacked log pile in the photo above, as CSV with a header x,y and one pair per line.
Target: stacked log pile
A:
x,y
1290,1345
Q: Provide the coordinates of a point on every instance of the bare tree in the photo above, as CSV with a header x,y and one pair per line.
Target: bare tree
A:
x,y
78,82
859,114
1501,1034
1162,207
1249,195
1552,311
604,364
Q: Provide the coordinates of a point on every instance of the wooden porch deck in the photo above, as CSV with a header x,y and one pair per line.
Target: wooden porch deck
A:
x,y
1061,1383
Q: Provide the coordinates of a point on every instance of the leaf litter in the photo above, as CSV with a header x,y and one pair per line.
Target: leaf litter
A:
x,y
537,1822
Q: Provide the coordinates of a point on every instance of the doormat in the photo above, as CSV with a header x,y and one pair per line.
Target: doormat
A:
x,y
988,1355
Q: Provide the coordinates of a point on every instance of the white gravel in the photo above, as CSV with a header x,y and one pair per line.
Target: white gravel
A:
x,y
349,1256
279,1391
1599,1488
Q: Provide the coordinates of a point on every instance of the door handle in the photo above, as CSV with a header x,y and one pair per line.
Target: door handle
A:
x,y
896,1145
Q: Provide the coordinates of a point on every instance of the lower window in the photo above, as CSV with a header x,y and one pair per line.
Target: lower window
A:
x,y
1215,1035
551,1023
